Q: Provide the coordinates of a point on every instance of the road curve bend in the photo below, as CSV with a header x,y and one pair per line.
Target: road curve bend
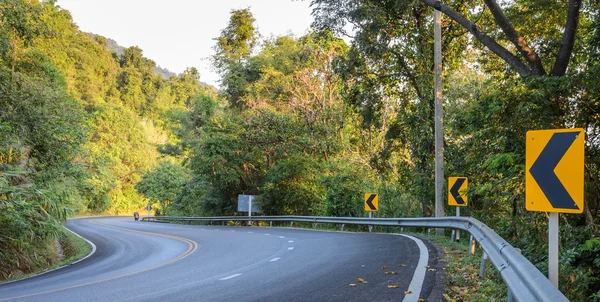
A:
x,y
142,261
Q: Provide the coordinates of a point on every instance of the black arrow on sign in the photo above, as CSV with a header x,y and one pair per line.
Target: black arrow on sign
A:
x,y
543,170
454,190
370,202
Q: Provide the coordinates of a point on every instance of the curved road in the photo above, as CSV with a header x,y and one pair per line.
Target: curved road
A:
x,y
142,261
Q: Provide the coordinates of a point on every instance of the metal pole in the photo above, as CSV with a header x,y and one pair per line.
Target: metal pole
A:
x,y
553,248
439,112
457,231
483,266
250,211
370,226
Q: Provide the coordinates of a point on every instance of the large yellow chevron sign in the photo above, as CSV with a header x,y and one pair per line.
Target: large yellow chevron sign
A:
x,y
554,170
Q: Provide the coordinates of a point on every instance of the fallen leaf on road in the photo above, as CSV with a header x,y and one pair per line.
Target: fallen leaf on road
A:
x,y
384,267
361,280
387,273
393,273
401,264
392,286
431,269
421,300
406,292
352,284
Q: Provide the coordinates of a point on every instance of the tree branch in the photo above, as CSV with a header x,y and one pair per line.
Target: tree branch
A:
x,y
530,56
568,39
488,42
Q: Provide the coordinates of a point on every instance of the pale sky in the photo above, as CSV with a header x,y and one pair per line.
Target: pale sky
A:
x,y
177,34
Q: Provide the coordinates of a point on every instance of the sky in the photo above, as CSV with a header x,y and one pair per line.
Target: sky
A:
x,y
177,34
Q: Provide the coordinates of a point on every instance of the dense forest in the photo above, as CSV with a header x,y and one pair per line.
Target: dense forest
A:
x,y
308,124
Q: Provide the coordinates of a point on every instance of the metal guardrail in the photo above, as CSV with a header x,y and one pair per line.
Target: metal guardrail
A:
x,y
523,279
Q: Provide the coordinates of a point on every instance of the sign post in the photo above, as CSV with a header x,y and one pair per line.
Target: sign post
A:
x,y
148,208
554,164
457,196
250,211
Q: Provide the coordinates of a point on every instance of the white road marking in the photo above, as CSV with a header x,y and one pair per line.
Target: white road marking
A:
x,y
268,234
250,232
290,248
281,237
417,280
291,241
231,277
275,259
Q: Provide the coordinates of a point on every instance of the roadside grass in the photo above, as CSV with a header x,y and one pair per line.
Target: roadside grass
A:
x,y
74,248
462,273
45,256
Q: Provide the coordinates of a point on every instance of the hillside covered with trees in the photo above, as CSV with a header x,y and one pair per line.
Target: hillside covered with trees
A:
x,y
308,124
79,125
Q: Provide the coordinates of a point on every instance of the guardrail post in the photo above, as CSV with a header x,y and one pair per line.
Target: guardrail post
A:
x,y
453,236
271,223
291,224
343,227
428,232
472,243
483,266
401,230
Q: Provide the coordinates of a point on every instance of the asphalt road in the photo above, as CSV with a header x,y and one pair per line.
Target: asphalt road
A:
x,y
143,261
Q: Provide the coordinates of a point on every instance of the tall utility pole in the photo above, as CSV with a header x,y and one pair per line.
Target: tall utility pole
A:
x,y
439,113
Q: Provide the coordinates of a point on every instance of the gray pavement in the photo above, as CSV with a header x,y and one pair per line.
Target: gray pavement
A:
x,y
141,261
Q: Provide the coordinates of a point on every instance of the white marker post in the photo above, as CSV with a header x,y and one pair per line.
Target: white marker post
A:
x,y
553,248
250,211
370,226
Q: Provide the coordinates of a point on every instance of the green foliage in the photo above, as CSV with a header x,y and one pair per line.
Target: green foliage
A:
x,y
81,123
29,219
292,187
163,184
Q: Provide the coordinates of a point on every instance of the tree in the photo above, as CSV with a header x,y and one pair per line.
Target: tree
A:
x,y
163,184
234,46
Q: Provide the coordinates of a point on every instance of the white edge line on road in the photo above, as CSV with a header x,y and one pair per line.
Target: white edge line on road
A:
x,y
290,248
57,268
230,277
268,234
250,232
417,280
291,241
274,259
281,237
